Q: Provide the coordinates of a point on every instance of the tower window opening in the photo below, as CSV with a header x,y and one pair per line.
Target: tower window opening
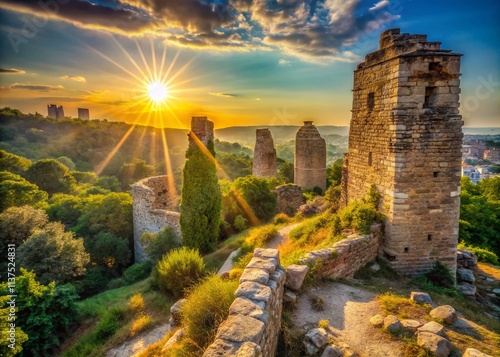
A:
x,y
429,237
370,103
430,97
434,66
407,249
370,158
436,173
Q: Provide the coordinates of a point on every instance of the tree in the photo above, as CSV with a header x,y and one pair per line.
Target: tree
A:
x,y
334,173
51,176
158,244
17,224
235,166
134,171
44,312
16,191
109,251
65,208
66,161
6,330
13,163
109,183
53,254
258,195
285,171
200,201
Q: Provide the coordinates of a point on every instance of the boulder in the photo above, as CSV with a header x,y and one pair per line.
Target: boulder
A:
x,y
466,275
420,297
290,297
377,320
438,345
445,313
496,291
249,349
411,325
176,337
314,340
175,313
466,259
295,275
472,352
467,289
432,327
392,324
375,267
332,351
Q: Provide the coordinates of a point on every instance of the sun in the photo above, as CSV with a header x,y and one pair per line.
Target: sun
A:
x,y
158,91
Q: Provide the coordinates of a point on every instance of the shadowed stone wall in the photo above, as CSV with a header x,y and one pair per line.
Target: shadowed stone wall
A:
x,y
289,198
153,209
405,137
254,321
264,155
344,258
310,158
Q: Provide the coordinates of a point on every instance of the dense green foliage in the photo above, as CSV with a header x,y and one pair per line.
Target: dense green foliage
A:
x,y
54,255
206,308
16,191
482,254
108,251
156,245
200,201
178,270
51,176
334,173
480,214
134,171
440,276
44,312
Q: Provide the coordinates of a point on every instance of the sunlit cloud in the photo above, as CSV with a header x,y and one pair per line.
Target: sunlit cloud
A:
x,y
225,95
75,78
12,71
35,87
284,62
380,5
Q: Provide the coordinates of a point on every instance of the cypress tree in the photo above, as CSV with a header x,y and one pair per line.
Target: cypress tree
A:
x,y
201,200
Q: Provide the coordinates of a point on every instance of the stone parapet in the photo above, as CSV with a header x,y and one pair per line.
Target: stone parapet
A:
x,y
254,321
344,258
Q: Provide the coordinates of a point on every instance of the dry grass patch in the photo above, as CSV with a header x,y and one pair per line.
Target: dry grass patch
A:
x,y
403,307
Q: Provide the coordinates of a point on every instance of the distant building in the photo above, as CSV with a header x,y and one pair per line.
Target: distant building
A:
x,y
473,173
83,113
55,112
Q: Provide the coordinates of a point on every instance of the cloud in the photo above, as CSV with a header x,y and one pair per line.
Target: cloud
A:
x,y
313,30
12,71
35,87
225,95
75,78
380,5
283,62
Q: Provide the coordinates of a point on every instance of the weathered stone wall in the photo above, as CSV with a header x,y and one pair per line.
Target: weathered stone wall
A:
x,y
310,157
289,198
203,129
405,137
264,155
153,209
254,320
344,258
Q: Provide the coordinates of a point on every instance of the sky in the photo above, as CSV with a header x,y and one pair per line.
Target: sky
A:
x,y
239,62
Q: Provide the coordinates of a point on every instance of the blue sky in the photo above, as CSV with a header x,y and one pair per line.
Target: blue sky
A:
x,y
241,62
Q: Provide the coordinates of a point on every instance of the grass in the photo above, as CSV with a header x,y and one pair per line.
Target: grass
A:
x,y
403,307
118,315
215,260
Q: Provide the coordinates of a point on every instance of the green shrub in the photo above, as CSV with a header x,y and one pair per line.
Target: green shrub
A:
x,y
257,238
158,244
109,324
483,255
115,284
240,223
137,272
179,269
359,216
440,276
281,218
206,308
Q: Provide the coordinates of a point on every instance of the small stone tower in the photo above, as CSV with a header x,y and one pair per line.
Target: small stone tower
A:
x,y
310,158
203,129
264,155
405,137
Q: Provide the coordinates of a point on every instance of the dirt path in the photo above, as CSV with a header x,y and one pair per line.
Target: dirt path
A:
x,y
134,345
348,310
282,236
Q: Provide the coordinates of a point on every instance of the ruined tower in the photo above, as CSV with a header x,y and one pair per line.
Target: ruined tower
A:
x,y
405,137
310,157
203,130
264,155
154,207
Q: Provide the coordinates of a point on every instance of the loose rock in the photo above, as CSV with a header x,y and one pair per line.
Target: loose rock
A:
x,y
295,275
445,313
377,320
472,352
467,289
465,275
392,324
420,297
332,351
411,325
432,327
438,345
175,313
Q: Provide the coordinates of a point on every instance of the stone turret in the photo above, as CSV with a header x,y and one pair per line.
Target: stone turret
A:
x,y
405,137
203,129
310,157
264,156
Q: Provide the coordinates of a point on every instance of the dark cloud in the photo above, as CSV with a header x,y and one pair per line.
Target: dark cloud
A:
x,y
85,14
35,87
11,71
225,95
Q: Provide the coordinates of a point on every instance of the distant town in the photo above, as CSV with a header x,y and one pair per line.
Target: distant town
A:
x,y
57,112
480,157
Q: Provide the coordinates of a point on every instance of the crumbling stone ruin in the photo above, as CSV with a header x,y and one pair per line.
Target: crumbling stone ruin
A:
x,y
154,208
203,129
310,157
405,137
264,155
289,198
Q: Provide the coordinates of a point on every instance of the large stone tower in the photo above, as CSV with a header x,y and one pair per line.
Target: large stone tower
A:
x,y
264,154
203,130
405,137
310,157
